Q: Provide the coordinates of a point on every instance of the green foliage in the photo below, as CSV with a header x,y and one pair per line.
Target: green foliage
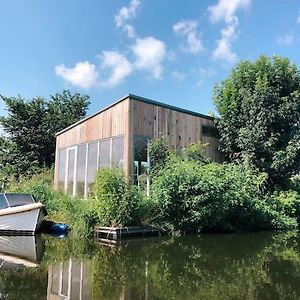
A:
x,y
114,200
30,128
61,207
287,202
259,107
192,197
196,152
159,153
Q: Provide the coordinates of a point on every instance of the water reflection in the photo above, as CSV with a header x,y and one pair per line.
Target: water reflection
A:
x,y
240,266
20,251
69,280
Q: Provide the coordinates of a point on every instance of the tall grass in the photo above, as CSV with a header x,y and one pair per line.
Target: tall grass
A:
x,y
76,212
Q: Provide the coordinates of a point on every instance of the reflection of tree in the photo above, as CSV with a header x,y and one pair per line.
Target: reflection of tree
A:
x,y
207,267
237,266
25,284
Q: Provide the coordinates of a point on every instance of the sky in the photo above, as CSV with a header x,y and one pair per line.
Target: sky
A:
x,y
170,51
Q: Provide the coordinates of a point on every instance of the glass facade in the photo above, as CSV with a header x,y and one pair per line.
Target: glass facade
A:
x,y
118,152
70,171
141,160
77,165
104,153
81,169
92,164
61,169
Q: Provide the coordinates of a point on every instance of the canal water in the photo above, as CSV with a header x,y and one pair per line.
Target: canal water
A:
x,y
235,266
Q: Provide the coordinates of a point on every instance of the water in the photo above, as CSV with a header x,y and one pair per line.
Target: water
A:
x,y
238,266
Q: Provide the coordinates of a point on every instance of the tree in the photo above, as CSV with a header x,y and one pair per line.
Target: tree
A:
x,y
259,107
31,125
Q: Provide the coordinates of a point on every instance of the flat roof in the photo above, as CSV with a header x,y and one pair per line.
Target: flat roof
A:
x,y
141,99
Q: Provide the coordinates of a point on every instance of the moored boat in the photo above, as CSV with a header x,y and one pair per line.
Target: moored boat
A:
x,y
20,213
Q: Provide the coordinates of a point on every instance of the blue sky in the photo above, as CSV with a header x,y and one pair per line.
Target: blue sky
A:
x,y
170,51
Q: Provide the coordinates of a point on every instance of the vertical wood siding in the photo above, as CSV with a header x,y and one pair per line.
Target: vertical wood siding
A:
x,y
179,128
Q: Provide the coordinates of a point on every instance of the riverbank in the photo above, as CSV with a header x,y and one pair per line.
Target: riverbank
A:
x,y
187,196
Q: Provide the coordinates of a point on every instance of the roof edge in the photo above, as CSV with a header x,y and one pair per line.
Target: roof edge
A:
x,y
161,104
93,115
141,99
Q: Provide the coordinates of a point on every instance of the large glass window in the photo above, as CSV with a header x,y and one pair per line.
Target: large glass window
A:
x,y
91,163
141,162
81,166
104,154
118,152
71,169
61,169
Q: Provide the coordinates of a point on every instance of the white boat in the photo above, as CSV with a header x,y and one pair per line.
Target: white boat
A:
x,y
20,251
20,214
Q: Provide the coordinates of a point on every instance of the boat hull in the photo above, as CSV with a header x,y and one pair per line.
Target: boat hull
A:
x,y
25,221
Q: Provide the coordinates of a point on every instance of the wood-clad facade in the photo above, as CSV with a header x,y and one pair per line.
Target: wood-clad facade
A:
x,y
119,135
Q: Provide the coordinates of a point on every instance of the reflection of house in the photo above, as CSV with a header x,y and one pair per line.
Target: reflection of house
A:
x,y
119,134
69,281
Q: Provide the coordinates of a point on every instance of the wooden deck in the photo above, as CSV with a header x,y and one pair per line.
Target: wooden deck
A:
x,y
114,233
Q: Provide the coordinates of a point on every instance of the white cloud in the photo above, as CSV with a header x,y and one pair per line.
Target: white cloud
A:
x,y
204,74
179,76
188,29
225,9
285,40
223,50
118,64
126,13
83,74
149,54
130,31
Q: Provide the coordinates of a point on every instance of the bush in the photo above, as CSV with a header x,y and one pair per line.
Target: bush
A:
x,y
158,153
114,201
61,207
197,152
192,197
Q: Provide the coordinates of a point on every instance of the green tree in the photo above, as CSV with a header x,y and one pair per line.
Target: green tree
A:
x,y
259,107
31,125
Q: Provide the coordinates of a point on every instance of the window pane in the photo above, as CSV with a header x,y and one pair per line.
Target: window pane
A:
x,y
19,199
81,163
140,157
92,163
71,165
104,154
3,203
61,169
118,152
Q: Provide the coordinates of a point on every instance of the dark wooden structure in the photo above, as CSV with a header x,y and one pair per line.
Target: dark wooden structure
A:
x,y
119,135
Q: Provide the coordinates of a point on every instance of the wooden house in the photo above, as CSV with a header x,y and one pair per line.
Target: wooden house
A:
x,y
119,135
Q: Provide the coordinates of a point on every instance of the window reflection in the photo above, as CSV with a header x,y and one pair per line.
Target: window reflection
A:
x,y
141,162
71,168
104,154
61,169
118,152
92,163
81,166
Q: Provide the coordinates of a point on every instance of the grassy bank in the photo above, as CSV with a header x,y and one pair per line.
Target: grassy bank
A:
x,y
188,195
61,207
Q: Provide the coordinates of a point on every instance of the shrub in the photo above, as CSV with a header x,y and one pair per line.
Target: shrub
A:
x,y
114,201
197,152
159,154
192,197
61,207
